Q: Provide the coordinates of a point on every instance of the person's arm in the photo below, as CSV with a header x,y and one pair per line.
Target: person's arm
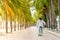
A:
x,y
44,23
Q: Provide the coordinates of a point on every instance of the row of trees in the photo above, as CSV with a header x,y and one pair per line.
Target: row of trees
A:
x,y
17,11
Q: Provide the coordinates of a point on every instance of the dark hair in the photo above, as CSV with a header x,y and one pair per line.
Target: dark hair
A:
x,y
40,18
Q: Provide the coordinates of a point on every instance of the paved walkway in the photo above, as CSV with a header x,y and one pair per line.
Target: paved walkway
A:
x,y
29,34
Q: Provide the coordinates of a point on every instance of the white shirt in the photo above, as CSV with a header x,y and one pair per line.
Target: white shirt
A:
x,y
40,23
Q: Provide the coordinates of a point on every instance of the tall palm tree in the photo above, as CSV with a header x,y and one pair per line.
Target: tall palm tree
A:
x,y
53,16
6,16
21,6
2,15
43,6
58,1
10,13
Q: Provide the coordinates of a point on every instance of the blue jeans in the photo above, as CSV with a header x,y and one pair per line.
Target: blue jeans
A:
x,y
40,30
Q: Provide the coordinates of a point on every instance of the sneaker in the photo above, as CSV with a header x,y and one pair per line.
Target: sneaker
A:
x,y
39,35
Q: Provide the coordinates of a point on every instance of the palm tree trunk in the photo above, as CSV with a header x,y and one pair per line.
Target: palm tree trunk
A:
x,y
59,12
15,24
18,23
50,15
47,16
28,23
53,19
11,22
24,24
6,24
19,20
6,15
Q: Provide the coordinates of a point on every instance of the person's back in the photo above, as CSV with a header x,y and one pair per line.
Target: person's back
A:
x,y
40,22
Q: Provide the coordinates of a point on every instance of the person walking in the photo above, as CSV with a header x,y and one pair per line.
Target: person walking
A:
x,y
40,24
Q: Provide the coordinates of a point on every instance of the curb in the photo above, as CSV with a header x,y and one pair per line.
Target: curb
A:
x,y
54,33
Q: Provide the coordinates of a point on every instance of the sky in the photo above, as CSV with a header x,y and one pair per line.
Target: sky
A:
x,y
32,9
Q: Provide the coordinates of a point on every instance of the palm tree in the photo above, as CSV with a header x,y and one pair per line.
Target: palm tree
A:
x,y
16,8
42,6
58,1
53,16
10,13
6,15
2,15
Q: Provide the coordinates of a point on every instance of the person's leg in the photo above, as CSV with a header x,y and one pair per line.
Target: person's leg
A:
x,y
41,30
